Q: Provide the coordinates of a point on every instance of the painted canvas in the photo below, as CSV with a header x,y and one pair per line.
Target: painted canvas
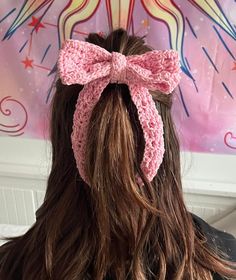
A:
x,y
203,32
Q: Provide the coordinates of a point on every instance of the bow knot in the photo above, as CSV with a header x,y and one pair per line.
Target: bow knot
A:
x,y
118,68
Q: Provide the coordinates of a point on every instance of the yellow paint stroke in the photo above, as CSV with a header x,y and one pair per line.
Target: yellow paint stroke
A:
x,y
29,8
77,11
165,11
121,12
212,10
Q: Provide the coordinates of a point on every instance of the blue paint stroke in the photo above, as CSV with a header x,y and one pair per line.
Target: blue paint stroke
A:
x,y
12,29
183,102
8,14
191,28
227,90
233,33
209,58
223,42
184,65
187,63
45,53
23,46
44,13
194,82
49,91
54,69
15,23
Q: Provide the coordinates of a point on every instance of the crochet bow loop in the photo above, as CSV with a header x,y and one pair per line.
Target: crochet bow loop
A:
x,y
155,70
81,62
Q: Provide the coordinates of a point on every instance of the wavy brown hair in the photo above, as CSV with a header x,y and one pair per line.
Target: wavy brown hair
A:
x,y
112,229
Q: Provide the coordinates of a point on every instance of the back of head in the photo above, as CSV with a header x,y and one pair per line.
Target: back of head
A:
x,y
113,226
122,215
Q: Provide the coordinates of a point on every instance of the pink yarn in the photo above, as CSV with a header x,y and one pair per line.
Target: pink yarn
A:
x,y
94,67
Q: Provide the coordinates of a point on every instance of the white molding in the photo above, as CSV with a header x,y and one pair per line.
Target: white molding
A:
x,y
210,188
202,173
209,167
24,158
24,171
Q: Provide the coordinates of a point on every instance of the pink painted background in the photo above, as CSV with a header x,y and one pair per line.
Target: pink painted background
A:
x,y
203,32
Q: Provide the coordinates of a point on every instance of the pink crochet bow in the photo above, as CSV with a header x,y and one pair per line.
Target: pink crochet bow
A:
x,y
94,67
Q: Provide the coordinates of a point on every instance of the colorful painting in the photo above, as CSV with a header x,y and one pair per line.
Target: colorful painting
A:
x,y
202,31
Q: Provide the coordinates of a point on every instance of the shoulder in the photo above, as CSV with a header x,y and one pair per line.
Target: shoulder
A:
x,y
220,240
8,259
4,250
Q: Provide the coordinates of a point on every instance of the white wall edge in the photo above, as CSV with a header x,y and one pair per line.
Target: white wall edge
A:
x,y
209,174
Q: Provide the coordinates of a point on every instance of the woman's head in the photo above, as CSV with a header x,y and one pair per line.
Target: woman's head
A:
x,y
113,226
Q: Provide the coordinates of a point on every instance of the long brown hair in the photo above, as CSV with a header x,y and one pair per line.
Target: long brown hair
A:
x,y
113,228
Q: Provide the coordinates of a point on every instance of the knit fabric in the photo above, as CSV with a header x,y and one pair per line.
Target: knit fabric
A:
x,y
94,67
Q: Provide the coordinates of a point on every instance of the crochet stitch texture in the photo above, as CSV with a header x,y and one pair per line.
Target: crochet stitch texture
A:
x,y
94,67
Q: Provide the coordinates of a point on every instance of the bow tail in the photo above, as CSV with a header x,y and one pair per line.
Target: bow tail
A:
x,y
152,127
87,100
